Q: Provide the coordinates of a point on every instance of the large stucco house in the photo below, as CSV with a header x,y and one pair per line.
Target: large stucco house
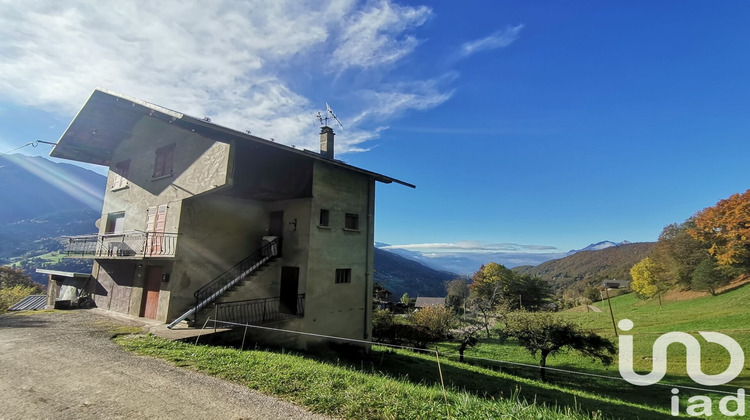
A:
x,y
204,221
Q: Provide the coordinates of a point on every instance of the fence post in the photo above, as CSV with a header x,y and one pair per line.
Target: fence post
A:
x,y
216,313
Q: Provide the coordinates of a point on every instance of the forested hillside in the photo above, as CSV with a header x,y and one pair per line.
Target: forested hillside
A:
x,y
42,201
400,275
590,268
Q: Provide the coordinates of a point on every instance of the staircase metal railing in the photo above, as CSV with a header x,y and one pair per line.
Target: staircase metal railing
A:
x,y
258,311
228,279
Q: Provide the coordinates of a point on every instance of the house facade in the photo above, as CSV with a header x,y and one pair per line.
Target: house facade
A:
x,y
198,217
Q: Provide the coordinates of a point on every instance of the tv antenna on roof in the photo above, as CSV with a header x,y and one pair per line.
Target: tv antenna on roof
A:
x,y
329,115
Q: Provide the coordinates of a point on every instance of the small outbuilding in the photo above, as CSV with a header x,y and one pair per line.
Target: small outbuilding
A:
x,y
429,302
617,284
67,289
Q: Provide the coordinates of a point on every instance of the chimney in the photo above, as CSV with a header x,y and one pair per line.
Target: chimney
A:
x,y
326,142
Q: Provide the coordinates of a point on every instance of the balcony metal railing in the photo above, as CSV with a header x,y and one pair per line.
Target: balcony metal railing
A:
x,y
131,244
258,311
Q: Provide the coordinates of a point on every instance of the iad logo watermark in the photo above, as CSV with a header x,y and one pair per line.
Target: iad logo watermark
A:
x,y
700,405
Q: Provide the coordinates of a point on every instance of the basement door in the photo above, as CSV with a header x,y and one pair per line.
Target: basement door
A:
x,y
150,300
289,288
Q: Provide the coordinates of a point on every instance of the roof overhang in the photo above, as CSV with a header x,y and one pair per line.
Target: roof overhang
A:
x,y
108,118
64,273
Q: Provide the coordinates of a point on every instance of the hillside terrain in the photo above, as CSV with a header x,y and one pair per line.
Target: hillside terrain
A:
x,y
400,275
42,201
32,187
589,268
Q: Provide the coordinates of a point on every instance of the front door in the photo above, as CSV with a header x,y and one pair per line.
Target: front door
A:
x,y
276,224
289,290
150,300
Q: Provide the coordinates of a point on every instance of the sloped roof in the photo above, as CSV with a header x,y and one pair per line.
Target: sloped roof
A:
x,y
30,303
429,302
108,118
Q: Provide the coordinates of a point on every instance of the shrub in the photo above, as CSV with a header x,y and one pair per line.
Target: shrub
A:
x,y
11,295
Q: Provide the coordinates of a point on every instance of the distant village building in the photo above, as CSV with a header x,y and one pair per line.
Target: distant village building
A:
x,y
617,284
197,215
429,302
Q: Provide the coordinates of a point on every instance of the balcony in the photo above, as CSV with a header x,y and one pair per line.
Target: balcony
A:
x,y
132,245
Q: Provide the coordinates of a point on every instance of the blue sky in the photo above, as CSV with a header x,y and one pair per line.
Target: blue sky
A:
x,y
526,126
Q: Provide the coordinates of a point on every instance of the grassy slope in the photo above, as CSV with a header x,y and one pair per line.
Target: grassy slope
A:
x,y
728,313
389,384
406,385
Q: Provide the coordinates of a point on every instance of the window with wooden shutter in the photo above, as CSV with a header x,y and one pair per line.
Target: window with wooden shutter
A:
x,y
156,223
164,163
120,177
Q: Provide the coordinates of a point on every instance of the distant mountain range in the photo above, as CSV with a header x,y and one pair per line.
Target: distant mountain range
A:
x,y
401,275
43,200
598,246
587,268
467,263
33,187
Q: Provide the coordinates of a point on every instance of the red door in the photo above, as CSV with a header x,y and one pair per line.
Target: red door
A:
x,y
150,300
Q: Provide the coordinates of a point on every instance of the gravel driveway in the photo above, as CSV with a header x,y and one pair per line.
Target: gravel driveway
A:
x,y
63,365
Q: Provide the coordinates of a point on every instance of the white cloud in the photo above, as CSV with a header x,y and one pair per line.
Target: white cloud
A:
x,y
499,39
241,63
471,247
375,36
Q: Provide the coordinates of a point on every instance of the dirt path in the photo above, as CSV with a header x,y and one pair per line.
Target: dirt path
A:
x,y
63,366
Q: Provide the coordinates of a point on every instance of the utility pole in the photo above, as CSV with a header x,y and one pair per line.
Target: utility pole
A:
x,y
611,314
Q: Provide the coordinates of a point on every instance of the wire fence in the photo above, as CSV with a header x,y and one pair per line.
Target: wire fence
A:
x,y
437,353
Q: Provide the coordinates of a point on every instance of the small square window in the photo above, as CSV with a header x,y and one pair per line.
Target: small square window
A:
x,y
343,275
163,164
324,217
351,221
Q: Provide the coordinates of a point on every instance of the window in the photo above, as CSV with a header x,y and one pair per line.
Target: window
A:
x,y
351,221
343,275
324,217
115,222
164,160
120,177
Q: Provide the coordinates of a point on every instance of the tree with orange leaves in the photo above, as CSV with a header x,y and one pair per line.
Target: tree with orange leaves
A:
x,y
725,228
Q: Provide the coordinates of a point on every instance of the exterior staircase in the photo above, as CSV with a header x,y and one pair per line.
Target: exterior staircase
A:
x,y
225,282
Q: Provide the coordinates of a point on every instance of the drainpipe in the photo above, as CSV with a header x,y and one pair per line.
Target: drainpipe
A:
x,y
370,239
